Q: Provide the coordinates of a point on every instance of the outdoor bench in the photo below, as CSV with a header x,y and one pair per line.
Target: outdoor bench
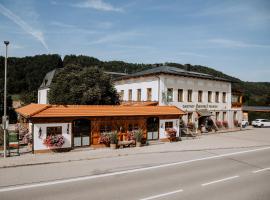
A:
x,y
126,143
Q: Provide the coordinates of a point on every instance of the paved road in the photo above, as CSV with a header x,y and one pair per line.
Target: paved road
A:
x,y
242,174
236,173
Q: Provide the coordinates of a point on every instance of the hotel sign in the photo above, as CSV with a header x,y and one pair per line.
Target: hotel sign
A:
x,y
199,106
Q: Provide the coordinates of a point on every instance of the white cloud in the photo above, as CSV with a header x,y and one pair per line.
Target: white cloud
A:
x,y
116,37
98,5
235,44
26,27
62,25
191,54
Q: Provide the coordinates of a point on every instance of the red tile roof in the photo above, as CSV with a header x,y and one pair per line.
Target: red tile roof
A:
x,y
31,109
96,111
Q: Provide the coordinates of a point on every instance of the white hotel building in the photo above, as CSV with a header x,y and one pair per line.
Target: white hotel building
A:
x,y
195,93
199,95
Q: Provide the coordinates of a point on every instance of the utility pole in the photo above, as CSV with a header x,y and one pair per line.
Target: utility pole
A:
x,y
4,120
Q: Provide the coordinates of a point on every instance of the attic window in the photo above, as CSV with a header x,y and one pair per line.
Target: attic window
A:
x,y
45,81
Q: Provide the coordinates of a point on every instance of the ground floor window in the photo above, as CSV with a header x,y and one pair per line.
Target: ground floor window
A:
x,y
217,116
56,130
234,115
133,127
189,117
105,128
224,116
168,125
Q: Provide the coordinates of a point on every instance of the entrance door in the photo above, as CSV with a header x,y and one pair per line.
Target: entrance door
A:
x,y
152,128
81,132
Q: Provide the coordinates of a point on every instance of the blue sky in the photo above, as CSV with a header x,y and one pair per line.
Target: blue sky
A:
x,y
232,36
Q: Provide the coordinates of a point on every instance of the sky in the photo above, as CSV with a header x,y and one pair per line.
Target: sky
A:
x,y
232,36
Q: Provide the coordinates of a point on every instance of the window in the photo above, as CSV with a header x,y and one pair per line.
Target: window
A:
x,y
234,115
217,116
189,96
168,125
189,117
180,95
200,95
217,97
209,96
56,130
130,95
121,95
224,116
105,128
139,94
224,97
170,94
149,94
133,127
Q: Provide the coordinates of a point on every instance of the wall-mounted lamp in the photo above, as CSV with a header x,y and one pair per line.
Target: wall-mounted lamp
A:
x,y
68,128
39,133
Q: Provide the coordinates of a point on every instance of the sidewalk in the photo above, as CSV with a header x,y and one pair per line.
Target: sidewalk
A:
x,y
239,139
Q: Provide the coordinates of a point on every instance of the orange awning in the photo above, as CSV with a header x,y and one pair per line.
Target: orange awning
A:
x,y
38,110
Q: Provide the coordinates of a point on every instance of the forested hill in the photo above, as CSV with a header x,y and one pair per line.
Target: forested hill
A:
x,y
25,75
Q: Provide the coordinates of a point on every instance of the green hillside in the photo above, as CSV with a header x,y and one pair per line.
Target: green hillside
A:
x,y
25,76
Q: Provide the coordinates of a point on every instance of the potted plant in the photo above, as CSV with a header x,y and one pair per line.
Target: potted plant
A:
x,y
54,141
104,139
225,124
171,133
113,139
219,124
138,135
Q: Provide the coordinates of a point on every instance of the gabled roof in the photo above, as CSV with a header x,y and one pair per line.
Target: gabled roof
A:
x,y
47,80
45,111
172,71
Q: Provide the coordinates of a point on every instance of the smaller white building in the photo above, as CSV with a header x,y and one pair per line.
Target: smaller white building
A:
x,y
45,87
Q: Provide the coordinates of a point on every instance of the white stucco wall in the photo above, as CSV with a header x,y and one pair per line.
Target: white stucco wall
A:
x,y
38,142
138,83
43,96
160,85
162,132
196,85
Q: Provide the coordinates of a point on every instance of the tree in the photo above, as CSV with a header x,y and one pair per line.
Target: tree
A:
x,y
86,86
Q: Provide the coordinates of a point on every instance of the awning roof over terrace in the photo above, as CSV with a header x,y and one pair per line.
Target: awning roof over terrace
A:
x,y
40,111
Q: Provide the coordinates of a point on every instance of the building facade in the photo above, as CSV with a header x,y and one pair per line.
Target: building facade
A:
x,y
83,125
199,95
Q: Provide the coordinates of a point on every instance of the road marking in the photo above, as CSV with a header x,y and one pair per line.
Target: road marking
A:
x,y
162,195
34,185
220,180
261,170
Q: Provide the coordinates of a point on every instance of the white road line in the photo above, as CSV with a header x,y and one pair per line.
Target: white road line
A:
x,y
220,180
261,170
162,195
34,185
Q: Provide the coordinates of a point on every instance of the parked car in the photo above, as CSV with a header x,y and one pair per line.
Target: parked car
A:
x,y
244,123
261,123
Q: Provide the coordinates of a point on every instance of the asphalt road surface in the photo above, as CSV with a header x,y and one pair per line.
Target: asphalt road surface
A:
x,y
242,174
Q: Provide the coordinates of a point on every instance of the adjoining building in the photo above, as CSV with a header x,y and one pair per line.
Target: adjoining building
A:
x,y
199,95
44,88
83,125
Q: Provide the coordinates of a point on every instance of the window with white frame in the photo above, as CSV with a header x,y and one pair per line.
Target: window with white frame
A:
x,y
170,94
